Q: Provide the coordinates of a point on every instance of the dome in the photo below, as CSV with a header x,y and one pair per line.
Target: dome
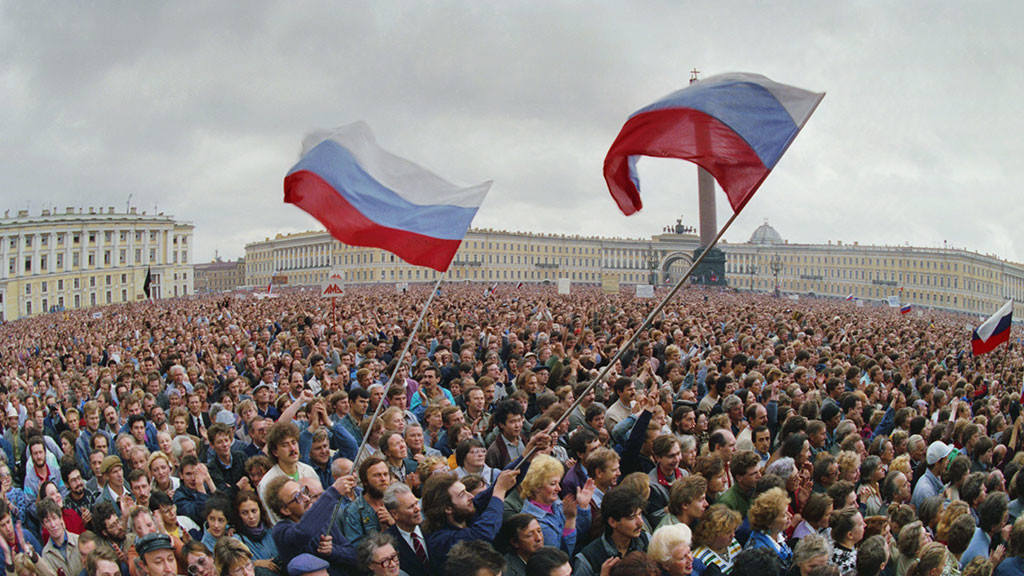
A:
x,y
765,234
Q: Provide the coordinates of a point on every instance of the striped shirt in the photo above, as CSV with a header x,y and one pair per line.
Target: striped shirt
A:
x,y
709,557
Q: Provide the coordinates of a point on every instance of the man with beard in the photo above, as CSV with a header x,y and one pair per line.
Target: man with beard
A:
x,y
368,513
305,526
78,499
108,526
454,515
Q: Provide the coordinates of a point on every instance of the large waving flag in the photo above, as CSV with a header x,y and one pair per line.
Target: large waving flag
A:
x,y
366,196
735,126
993,331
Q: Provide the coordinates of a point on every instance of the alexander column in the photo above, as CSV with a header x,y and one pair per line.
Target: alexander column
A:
x,y
712,268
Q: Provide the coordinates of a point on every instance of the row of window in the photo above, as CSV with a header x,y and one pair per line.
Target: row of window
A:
x,y
76,238
90,258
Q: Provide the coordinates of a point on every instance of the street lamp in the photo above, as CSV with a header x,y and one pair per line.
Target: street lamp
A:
x,y
776,265
652,266
751,271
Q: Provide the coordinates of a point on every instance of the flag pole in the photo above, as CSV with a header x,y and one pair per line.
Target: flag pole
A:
x,y
398,365
636,333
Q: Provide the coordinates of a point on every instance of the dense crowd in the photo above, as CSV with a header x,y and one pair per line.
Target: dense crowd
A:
x,y
740,435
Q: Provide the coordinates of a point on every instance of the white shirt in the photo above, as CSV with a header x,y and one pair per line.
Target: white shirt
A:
x,y
304,470
408,539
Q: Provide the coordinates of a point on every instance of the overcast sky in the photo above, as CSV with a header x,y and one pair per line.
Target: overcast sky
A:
x,y
200,109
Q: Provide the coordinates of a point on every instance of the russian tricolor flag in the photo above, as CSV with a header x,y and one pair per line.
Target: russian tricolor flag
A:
x,y
735,126
905,309
993,331
366,196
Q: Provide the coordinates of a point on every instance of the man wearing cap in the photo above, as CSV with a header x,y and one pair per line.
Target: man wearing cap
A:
x,y
157,554
931,483
226,466
307,565
112,474
261,395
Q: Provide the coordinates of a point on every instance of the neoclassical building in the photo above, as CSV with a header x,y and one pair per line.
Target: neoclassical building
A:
x,y
79,258
941,278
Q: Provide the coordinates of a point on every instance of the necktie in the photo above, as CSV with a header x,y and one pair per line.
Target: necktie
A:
x,y
421,552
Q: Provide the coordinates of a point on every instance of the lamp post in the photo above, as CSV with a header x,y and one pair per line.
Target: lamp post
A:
x,y
652,266
751,271
776,265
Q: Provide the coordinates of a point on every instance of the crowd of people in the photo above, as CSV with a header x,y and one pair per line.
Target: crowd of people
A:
x,y
739,434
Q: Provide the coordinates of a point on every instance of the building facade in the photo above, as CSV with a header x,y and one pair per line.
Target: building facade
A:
x,y
78,259
219,276
939,278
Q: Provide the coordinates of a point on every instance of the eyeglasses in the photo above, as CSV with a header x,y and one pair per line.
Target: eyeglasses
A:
x,y
302,493
389,561
193,569
243,570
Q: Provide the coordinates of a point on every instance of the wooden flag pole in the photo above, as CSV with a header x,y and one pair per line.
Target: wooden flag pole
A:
x,y
636,333
398,365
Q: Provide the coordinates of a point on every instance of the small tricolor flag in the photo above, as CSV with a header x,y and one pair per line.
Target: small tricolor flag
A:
x,y
905,309
366,196
849,298
490,291
735,126
993,331
520,285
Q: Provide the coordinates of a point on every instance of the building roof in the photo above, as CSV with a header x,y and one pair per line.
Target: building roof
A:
x,y
765,234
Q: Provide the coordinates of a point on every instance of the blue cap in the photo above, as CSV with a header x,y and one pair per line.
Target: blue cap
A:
x,y
306,563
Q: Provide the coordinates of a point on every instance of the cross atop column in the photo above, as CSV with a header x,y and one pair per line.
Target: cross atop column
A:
x,y
694,75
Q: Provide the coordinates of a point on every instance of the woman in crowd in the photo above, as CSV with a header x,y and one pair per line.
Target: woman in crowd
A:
x,y
847,532
470,455
686,502
72,520
811,552
232,558
908,544
159,467
560,520
714,541
198,559
769,518
869,493
254,530
378,553
667,456
670,548
713,470
816,514
930,562
216,514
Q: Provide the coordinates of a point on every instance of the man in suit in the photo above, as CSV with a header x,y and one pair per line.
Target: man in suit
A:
x,y
404,507
198,421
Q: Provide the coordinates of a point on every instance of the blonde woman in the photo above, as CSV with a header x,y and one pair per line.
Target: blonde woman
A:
x,y
714,539
560,520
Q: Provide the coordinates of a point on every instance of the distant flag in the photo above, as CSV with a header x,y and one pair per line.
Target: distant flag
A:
x,y
905,309
146,286
850,297
490,290
366,196
735,126
993,331
519,285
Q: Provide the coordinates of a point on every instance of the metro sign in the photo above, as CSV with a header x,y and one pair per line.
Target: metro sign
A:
x,y
332,288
